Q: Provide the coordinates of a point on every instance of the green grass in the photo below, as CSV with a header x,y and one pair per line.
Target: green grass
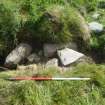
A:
x,y
55,92
62,24
52,92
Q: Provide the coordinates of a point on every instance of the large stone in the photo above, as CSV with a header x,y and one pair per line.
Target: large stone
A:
x,y
68,56
18,54
51,49
96,27
52,63
33,58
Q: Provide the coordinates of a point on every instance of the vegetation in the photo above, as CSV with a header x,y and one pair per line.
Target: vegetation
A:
x,y
57,21
22,20
9,25
62,24
55,92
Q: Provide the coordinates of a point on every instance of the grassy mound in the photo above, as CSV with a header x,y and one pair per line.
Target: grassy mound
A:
x,y
62,24
55,92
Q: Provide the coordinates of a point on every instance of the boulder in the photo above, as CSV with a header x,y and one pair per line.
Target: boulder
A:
x,y
33,58
96,27
18,54
28,67
52,63
51,49
68,56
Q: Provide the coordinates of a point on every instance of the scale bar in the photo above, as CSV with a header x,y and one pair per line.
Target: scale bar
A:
x,y
48,78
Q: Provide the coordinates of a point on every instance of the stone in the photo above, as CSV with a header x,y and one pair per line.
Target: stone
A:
x,y
68,56
96,27
95,15
18,54
51,49
28,67
72,46
33,58
52,63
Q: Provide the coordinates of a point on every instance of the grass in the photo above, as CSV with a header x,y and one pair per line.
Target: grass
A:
x,y
55,92
62,24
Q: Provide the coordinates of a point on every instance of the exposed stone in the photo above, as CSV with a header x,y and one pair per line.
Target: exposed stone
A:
x,y
52,63
33,58
96,27
18,54
28,67
68,56
51,49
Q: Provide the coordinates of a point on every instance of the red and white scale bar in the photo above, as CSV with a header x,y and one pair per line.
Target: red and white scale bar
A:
x,y
46,78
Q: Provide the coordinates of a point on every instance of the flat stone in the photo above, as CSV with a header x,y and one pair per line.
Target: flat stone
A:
x,y
68,56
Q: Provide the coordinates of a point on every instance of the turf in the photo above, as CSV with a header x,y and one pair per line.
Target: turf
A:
x,y
55,92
